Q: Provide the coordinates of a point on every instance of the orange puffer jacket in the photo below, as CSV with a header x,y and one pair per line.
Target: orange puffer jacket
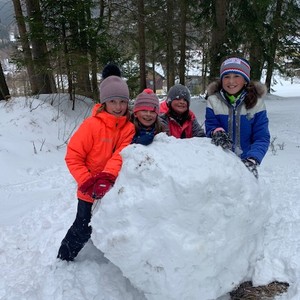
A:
x,y
96,146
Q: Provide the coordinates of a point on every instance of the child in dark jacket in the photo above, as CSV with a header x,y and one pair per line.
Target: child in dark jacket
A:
x,y
180,121
236,116
145,118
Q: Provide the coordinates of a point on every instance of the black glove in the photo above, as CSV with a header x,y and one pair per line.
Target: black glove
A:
x,y
221,138
251,164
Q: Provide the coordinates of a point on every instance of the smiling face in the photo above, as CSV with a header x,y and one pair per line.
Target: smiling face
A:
x,y
233,83
180,106
146,117
116,107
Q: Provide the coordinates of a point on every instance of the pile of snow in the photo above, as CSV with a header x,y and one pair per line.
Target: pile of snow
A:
x,y
184,227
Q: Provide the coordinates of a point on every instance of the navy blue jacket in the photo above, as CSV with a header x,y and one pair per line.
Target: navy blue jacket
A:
x,y
144,136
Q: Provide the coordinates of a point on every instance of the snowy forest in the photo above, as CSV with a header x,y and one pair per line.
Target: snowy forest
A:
x,y
62,46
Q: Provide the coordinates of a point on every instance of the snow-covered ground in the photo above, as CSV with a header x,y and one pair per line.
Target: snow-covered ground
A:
x,y
186,214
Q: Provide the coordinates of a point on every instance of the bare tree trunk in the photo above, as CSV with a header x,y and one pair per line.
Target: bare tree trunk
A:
x,y
25,46
44,76
67,61
170,49
93,53
94,81
153,68
4,92
273,44
142,43
218,38
256,59
83,67
183,12
204,70
257,13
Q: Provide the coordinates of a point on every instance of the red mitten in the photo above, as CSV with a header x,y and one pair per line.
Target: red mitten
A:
x,y
88,186
104,183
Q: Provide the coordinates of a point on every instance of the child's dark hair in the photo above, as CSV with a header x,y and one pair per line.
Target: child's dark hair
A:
x,y
251,97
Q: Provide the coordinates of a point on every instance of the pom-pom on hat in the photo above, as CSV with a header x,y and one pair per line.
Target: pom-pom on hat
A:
x,y
113,87
111,69
178,91
147,100
235,65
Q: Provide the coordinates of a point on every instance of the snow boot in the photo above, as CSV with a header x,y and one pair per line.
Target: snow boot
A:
x,y
78,234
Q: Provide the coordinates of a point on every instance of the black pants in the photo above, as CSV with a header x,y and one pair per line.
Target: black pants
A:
x,y
78,234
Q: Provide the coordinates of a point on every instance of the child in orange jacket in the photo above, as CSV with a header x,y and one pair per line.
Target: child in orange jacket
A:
x,y
94,160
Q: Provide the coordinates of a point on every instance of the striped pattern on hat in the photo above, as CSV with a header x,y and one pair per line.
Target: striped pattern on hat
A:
x,y
235,65
147,100
113,87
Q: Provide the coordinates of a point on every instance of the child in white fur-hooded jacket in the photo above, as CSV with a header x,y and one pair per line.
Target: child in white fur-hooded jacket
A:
x,y
236,116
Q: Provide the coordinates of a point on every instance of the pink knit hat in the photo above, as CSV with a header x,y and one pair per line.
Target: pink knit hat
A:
x,y
147,100
113,87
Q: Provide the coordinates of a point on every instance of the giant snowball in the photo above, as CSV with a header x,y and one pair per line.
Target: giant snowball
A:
x,y
185,219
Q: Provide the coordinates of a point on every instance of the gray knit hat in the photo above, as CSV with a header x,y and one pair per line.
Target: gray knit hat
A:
x,y
236,65
113,87
178,91
147,100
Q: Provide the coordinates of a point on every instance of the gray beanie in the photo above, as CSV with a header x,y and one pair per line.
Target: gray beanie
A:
x,y
178,91
113,87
